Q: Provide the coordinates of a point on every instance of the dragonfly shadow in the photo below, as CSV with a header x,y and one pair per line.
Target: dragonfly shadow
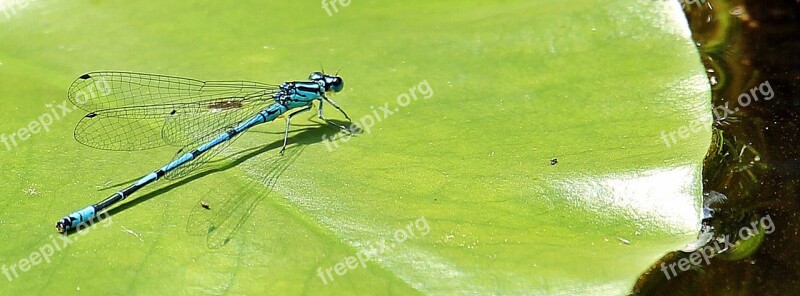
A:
x,y
301,139
299,133
225,210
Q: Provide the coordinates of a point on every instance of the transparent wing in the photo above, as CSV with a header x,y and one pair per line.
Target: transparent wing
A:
x,y
140,128
186,126
201,160
147,111
111,90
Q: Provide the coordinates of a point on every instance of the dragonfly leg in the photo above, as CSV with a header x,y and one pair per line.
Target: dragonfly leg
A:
x,y
288,120
338,108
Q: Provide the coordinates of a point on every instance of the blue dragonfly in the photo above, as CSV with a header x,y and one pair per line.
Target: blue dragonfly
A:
x,y
135,111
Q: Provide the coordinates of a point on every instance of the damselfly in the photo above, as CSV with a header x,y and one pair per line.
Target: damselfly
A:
x,y
135,111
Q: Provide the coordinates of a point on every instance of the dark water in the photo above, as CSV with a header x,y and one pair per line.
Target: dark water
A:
x,y
755,160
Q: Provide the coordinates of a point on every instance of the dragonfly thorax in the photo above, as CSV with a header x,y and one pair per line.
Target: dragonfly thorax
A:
x,y
298,93
302,93
328,82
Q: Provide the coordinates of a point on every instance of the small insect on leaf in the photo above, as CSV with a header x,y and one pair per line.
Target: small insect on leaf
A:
x,y
554,161
205,205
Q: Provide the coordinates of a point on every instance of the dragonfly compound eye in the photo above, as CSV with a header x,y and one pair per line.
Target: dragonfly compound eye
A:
x,y
337,84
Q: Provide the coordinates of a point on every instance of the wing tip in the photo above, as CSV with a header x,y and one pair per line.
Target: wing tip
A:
x,y
85,76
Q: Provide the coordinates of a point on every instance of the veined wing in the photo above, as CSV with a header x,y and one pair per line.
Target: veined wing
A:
x,y
105,90
146,127
202,159
136,111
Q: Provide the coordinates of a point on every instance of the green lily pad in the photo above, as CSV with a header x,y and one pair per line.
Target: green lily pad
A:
x,y
511,147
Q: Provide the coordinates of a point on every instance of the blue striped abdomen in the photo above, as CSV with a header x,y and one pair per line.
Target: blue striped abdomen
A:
x,y
273,112
267,115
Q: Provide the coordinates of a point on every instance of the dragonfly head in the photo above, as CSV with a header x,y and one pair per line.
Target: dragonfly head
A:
x,y
331,83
